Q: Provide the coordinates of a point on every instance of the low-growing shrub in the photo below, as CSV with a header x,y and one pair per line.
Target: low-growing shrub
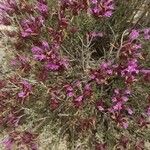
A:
x,y
78,68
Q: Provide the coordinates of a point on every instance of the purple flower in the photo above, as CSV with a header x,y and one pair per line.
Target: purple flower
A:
x,y
49,54
4,19
108,14
148,111
119,100
12,120
87,90
145,73
22,94
26,85
121,120
100,105
26,90
69,90
125,124
36,50
130,71
25,139
51,66
21,62
63,23
137,46
39,51
143,122
8,143
95,34
147,33
103,73
2,84
94,1
64,63
78,101
31,26
102,8
130,50
118,106
42,7
8,6
29,139
127,92
134,34
54,103
129,110
73,6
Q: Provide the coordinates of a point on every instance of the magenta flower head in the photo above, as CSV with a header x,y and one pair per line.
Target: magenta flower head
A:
x,y
100,106
94,1
26,7
26,90
42,8
64,4
148,111
130,49
143,122
4,19
145,73
122,121
3,83
21,62
10,140
119,100
31,26
134,34
39,51
103,73
94,35
78,101
87,90
63,23
13,118
8,143
92,95
54,104
8,6
25,139
29,140
74,6
69,90
130,71
146,34
102,8
49,54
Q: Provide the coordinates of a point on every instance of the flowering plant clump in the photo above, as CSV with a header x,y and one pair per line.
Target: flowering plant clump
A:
x,y
102,8
78,69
